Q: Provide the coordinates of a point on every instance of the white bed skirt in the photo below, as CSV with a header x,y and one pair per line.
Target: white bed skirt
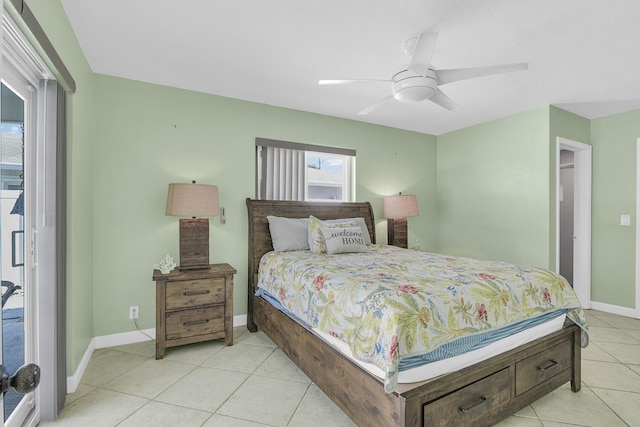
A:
x,y
434,369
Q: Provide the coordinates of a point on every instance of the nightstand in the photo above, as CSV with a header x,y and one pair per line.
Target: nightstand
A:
x,y
193,306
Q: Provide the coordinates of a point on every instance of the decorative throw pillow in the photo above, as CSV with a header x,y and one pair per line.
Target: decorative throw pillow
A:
x,y
360,222
316,241
343,240
288,234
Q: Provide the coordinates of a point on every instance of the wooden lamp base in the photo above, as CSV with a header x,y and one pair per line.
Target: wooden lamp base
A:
x,y
194,243
397,232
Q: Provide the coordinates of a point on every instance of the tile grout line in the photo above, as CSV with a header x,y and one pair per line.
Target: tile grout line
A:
x,y
248,374
293,414
607,405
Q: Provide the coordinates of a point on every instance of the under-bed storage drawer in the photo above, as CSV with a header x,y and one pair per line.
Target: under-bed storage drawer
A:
x,y
541,366
470,404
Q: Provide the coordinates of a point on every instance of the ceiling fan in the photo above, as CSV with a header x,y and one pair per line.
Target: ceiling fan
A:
x,y
421,81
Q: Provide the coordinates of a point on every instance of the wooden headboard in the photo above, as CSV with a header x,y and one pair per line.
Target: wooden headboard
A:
x,y
260,237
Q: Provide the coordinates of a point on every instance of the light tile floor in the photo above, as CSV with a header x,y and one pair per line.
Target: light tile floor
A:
x,y
253,384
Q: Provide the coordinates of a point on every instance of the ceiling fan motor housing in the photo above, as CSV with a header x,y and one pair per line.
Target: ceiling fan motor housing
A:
x,y
410,87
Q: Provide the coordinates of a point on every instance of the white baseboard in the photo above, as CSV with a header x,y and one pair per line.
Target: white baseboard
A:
x,y
74,380
240,320
123,338
615,309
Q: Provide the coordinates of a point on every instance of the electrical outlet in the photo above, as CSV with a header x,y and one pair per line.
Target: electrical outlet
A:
x,y
133,312
625,220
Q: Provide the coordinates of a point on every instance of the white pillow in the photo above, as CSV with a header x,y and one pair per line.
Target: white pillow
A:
x,y
288,234
316,241
343,240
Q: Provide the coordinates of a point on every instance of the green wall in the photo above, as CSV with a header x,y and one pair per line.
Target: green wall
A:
x,y
80,159
497,186
492,190
148,136
614,192
496,192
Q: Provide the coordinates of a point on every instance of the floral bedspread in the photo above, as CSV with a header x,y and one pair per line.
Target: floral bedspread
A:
x,y
391,304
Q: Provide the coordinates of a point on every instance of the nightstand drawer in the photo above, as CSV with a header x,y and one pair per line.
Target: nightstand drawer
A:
x,y
471,403
192,293
537,368
200,321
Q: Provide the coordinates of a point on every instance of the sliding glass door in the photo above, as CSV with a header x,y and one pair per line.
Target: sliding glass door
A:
x,y
32,207
18,305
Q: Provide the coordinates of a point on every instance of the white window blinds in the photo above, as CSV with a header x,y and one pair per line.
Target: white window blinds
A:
x,y
283,174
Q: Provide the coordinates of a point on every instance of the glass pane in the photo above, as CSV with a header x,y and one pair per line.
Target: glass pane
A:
x,y
11,237
325,176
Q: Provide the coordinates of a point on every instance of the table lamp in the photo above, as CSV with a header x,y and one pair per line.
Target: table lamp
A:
x,y
396,209
198,202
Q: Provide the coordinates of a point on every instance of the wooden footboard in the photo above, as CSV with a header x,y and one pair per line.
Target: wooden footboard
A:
x,y
482,394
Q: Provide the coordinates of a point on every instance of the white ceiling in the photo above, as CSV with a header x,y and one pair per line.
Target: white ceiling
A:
x,y
584,55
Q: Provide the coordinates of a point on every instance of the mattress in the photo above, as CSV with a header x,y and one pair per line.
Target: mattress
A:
x,y
397,309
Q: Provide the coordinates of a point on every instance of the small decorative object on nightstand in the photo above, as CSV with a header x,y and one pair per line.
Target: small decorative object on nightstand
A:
x,y
166,264
396,209
193,306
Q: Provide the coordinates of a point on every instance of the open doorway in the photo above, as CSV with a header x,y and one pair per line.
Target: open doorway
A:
x,y
566,221
573,216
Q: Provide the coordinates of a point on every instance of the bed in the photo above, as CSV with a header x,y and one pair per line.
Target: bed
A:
x,y
481,394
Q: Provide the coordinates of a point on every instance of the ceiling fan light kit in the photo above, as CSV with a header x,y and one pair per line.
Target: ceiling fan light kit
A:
x,y
420,80
409,87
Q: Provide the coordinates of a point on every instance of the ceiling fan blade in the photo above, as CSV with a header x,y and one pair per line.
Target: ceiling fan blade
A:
x,y
373,106
454,75
442,100
343,82
422,53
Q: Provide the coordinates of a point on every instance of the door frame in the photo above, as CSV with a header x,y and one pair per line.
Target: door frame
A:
x,y
582,216
637,306
40,222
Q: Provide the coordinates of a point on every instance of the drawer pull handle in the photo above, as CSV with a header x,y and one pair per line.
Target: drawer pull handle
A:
x,y
192,293
476,405
550,365
197,322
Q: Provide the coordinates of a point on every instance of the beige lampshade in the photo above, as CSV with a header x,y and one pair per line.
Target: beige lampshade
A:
x,y
192,200
400,206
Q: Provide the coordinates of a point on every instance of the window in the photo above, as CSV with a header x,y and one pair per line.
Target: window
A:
x,y
328,176
292,171
11,153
